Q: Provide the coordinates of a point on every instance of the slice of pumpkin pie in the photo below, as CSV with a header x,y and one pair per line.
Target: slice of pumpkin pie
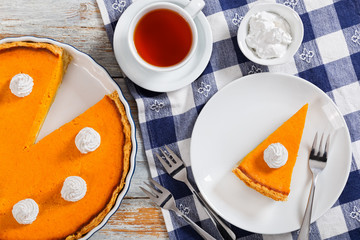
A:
x,y
30,75
268,168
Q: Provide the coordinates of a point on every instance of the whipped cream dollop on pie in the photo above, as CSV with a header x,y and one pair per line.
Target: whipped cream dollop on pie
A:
x,y
275,155
74,189
21,85
87,140
25,211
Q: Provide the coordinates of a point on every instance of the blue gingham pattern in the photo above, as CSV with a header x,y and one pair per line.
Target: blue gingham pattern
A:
x,y
329,57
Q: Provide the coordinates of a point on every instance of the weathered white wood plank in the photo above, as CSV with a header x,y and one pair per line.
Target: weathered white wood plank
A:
x,y
136,219
140,176
76,22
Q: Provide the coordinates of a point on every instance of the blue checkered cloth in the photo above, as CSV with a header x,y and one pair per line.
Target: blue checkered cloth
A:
x,y
329,57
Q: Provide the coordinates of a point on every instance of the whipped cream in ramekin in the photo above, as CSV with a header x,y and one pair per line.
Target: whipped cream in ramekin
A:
x,y
275,155
87,140
21,85
74,189
269,35
25,211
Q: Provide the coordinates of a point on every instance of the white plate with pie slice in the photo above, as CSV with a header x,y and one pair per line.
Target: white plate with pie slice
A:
x,y
236,120
84,84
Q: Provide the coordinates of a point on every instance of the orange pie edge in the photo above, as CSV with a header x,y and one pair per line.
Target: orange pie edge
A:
x,y
277,196
65,59
127,148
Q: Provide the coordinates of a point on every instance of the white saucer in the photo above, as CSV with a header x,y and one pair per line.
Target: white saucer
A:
x,y
162,81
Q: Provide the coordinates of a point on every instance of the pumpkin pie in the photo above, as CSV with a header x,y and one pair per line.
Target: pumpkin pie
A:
x,y
38,171
274,182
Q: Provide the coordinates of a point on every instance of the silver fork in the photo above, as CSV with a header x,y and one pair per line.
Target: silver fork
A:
x,y
164,199
176,168
317,163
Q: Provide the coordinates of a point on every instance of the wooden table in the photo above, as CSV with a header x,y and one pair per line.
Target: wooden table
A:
x,y
79,23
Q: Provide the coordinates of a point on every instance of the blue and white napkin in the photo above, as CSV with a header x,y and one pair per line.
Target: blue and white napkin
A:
x,y
329,57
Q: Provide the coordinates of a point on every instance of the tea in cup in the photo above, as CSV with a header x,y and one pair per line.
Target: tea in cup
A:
x,y
163,36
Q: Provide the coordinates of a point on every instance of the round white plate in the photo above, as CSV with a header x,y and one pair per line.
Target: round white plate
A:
x,y
84,84
236,120
161,81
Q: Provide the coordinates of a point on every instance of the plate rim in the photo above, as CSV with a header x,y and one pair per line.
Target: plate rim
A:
x,y
132,159
270,74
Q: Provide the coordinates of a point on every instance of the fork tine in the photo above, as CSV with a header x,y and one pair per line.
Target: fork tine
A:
x,y
175,157
313,148
163,162
154,191
149,194
161,188
321,145
167,157
327,145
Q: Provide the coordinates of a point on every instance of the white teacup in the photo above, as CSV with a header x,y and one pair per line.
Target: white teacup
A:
x,y
188,13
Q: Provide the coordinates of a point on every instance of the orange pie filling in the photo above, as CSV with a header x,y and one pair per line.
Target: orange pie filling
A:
x,y
38,171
